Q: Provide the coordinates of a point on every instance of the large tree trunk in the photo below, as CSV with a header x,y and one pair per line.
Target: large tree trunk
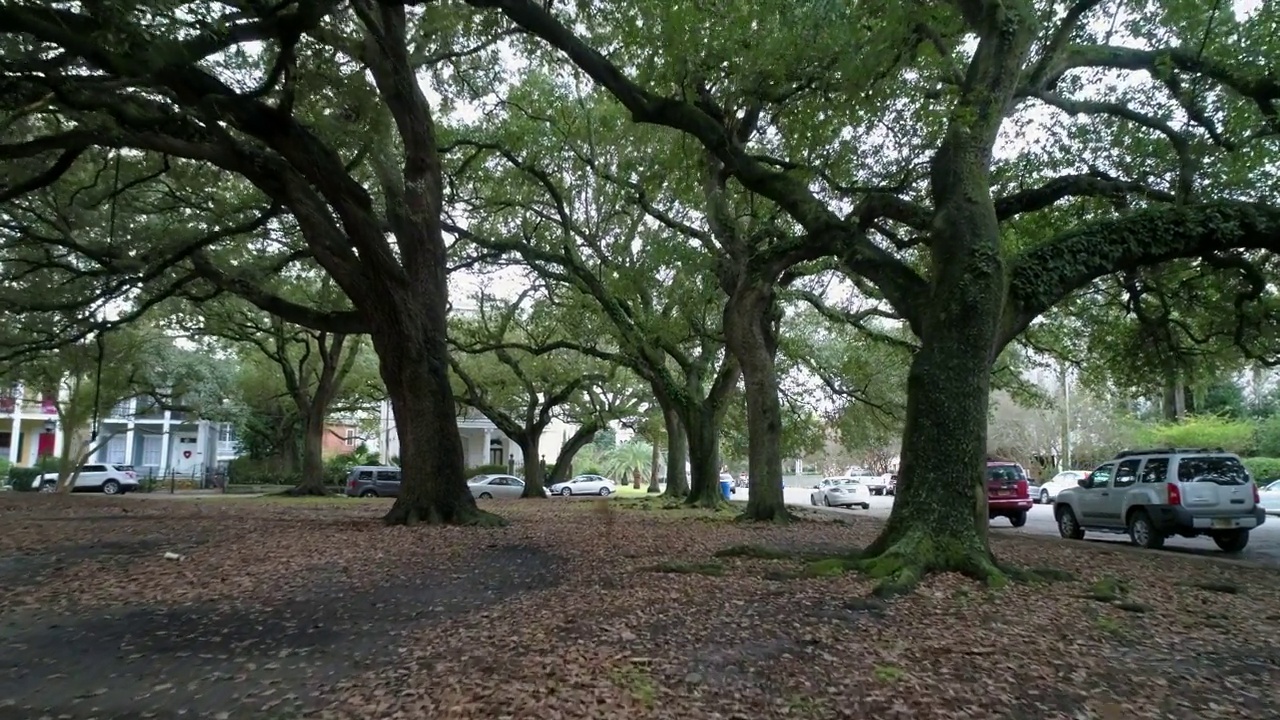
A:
x,y
534,483
433,487
748,319
677,455
654,463
703,433
312,481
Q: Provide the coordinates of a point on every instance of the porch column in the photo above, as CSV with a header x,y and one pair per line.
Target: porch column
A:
x,y
202,439
486,454
15,435
164,442
128,443
58,439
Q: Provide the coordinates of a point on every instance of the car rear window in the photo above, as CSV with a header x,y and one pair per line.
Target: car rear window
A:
x,y
1218,469
1005,473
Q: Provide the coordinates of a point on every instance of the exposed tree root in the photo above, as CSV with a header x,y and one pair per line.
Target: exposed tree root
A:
x,y
779,515
900,564
405,514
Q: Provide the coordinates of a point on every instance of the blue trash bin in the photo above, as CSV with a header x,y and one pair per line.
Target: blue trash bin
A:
x,y
726,488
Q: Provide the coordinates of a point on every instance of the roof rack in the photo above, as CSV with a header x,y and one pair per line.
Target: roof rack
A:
x,y
1166,451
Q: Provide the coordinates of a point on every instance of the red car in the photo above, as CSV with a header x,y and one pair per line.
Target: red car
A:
x,y
1008,491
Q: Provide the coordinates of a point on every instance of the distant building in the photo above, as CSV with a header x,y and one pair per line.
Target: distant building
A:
x,y
482,442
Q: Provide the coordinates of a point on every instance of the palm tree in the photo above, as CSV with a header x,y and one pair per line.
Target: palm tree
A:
x,y
634,458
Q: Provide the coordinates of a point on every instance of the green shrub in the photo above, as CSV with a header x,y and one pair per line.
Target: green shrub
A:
x,y
1267,437
1263,468
22,479
1207,431
486,470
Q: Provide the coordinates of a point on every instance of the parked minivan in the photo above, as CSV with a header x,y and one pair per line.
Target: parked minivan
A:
x,y
373,481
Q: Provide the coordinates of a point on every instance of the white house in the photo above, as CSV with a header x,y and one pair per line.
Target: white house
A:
x,y
482,442
135,432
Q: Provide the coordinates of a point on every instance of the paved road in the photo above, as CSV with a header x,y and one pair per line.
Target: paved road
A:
x,y
1264,542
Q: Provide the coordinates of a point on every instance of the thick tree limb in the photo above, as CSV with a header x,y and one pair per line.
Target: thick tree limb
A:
x,y
1043,276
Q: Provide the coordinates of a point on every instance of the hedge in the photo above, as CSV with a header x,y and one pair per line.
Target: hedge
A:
x,y
486,470
1262,468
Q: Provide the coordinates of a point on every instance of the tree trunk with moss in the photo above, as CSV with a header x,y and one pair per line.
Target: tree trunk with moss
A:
x,y
704,459
677,455
750,319
311,482
655,463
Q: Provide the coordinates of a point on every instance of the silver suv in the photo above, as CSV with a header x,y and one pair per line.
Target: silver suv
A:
x,y
1156,494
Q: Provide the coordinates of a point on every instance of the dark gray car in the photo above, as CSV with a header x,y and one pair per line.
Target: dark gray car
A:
x,y
373,481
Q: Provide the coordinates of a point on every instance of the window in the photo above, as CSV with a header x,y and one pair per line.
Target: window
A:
x,y
93,469
1102,476
226,432
1127,473
495,456
1217,469
350,440
389,476
115,451
365,476
151,451
1155,471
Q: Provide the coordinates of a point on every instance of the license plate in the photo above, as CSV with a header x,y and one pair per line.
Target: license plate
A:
x,y
1224,523
1004,493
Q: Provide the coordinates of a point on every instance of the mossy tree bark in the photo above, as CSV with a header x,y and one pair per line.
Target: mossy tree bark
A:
x,y
703,432
677,456
751,317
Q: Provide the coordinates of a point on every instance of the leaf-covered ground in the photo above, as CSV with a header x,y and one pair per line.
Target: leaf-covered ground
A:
x,y
287,609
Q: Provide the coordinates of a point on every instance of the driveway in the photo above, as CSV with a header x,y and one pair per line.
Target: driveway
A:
x,y
1264,542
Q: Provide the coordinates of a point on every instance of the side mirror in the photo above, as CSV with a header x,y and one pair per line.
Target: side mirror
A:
x,y
1083,482
817,487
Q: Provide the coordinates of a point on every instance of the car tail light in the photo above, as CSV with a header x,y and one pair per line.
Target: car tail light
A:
x,y
1257,499
351,482
1022,488
1175,495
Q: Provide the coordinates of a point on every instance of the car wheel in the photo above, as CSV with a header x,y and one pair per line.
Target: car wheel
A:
x,y
1143,533
1044,497
1018,519
826,501
604,492
1068,527
1232,541
566,492
111,487
813,500
866,506
485,496
48,487
368,493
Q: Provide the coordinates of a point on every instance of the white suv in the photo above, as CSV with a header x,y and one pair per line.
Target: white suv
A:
x,y
109,479
1156,494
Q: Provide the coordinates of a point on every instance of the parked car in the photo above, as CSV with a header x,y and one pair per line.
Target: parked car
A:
x,y
1008,492
105,478
1269,497
373,481
891,486
496,486
1047,492
1156,494
585,485
841,492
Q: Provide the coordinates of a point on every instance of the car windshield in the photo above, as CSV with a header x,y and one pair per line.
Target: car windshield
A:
x,y
1217,469
1273,486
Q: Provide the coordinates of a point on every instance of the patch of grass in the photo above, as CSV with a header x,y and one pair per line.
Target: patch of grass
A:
x,y
675,509
867,605
801,705
1109,625
887,673
1108,589
1036,575
755,552
1219,587
636,680
683,568
1133,607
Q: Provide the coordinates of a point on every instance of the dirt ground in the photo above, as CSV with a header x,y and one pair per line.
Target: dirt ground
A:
x,y
310,608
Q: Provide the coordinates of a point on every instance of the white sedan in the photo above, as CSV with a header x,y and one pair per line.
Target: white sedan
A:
x,y
1048,492
585,485
1269,495
841,492
495,486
